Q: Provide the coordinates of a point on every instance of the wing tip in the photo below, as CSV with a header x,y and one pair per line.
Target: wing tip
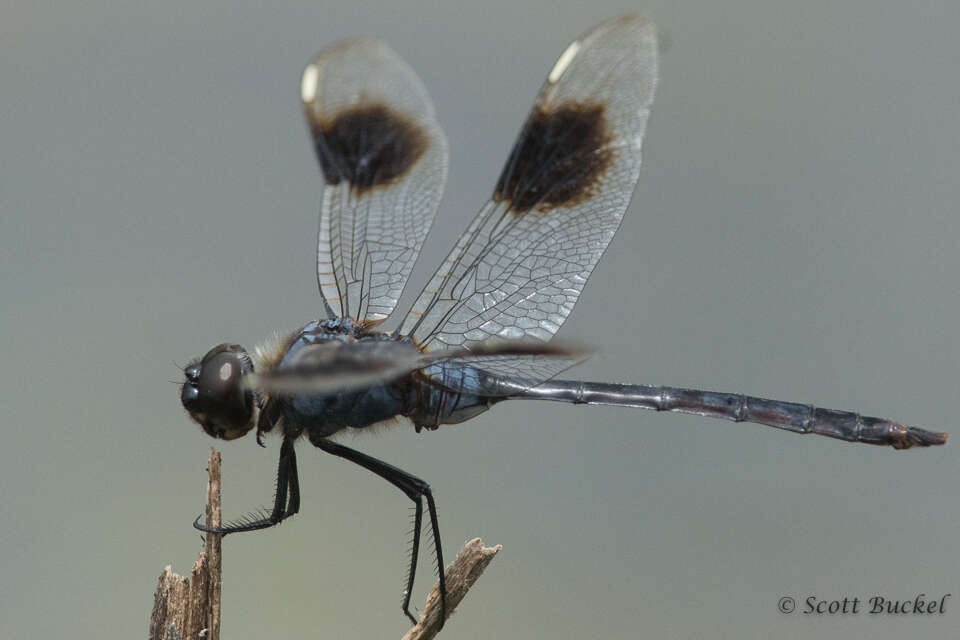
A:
x,y
644,29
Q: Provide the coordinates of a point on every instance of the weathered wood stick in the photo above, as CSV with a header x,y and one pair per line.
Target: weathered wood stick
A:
x,y
189,608
459,576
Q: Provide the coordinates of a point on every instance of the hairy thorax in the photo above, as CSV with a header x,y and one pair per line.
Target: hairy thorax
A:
x,y
418,397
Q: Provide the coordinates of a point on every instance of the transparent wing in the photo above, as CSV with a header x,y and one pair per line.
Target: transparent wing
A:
x,y
519,268
335,367
498,375
384,159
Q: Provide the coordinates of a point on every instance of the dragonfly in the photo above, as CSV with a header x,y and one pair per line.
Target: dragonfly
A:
x,y
480,331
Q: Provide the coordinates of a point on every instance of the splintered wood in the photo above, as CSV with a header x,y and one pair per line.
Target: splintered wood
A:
x,y
190,607
459,576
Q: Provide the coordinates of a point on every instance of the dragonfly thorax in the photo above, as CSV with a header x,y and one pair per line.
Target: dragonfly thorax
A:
x,y
340,350
320,415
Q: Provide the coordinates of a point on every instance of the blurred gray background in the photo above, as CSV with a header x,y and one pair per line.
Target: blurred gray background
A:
x,y
794,235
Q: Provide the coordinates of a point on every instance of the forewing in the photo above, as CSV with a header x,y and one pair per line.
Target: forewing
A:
x,y
384,160
333,367
519,268
336,367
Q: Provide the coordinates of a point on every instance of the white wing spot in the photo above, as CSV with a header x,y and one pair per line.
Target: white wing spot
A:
x,y
309,82
562,63
226,371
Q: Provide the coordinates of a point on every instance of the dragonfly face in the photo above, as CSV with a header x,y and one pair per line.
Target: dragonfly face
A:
x,y
213,393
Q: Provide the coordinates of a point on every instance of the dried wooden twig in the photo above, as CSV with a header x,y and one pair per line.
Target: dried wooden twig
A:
x,y
188,609
459,576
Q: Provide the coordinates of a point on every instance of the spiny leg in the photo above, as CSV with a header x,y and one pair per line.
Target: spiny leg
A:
x,y
287,484
414,551
432,508
415,488
293,506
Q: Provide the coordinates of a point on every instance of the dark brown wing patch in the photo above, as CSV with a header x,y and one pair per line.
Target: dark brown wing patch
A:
x,y
368,146
558,159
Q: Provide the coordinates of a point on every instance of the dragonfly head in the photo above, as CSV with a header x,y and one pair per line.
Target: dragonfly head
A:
x,y
213,394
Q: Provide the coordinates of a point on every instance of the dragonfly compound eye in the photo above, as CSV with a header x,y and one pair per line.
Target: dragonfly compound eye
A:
x,y
212,393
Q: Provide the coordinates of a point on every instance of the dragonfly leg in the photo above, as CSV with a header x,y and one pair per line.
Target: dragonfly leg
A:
x,y
414,551
293,505
288,485
415,489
